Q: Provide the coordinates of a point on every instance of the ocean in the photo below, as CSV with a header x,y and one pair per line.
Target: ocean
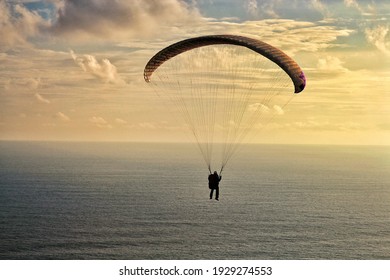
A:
x,y
65,200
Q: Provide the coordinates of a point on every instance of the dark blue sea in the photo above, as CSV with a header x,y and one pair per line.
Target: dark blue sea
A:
x,y
77,201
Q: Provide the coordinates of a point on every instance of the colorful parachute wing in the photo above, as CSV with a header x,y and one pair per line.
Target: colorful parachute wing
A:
x,y
274,54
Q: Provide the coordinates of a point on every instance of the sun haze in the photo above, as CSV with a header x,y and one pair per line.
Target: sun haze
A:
x,y
73,70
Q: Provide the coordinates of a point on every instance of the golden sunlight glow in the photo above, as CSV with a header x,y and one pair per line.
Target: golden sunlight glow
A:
x,y
83,80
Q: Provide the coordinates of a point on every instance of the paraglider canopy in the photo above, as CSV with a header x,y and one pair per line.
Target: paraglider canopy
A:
x,y
272,53
224,86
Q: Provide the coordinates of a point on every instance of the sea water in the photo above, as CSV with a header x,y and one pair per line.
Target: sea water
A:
x,y
151,201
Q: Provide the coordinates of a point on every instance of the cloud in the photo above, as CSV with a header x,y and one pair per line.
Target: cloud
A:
x,y
353,4
327,125
384,126
77,20
103,70
377,37
278,110
61,116
291,36
331,63
265,110
251,7
100,122
33,83
17,25
317,5
21,82
257,9
120,121
41,99
147,125
258,107
109,19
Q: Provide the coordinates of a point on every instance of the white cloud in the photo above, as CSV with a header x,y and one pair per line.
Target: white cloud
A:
x,y
17,25
99,122
110,19
331,63
147,125
251,7
33,83
120,121
101,19
103,70
61,116
267,8
327,125
353,4
278,110
319,6
377,36
40,98
21,82
291,36
258,107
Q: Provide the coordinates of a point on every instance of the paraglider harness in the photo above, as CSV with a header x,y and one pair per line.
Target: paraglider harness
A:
x,y
211,181
214,179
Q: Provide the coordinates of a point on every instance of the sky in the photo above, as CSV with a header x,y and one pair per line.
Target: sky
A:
x,y
73,70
